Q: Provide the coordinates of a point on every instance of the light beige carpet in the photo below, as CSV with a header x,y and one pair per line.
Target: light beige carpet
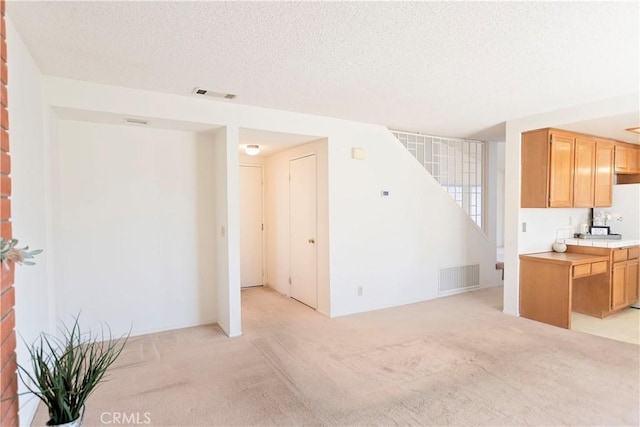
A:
x,y
451,361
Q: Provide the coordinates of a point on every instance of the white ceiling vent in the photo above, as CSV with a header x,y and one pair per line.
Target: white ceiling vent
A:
x,y
205,92
135,122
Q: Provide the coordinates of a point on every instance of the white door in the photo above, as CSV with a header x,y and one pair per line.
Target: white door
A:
x,y
251,229
302,206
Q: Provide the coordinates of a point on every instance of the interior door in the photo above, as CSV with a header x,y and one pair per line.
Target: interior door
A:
x,y
251,228
303,220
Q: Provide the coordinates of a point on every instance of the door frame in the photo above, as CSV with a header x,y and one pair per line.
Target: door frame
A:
x,y
302,156
264,264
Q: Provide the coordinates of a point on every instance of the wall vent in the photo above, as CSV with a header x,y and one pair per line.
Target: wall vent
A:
x,y
136,122
213,94
455,279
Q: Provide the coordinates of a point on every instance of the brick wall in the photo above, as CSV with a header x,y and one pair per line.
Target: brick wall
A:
x,y
8,379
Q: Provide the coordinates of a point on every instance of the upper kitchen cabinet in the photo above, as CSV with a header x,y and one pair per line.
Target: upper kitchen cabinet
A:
x,y
584,172
562,169
627,158
603,181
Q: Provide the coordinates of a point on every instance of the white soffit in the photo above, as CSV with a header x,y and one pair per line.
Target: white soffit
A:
x,y
272,142
445,68
120,120
612,127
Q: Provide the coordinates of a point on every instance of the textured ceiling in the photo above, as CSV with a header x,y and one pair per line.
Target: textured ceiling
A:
x,y
446,68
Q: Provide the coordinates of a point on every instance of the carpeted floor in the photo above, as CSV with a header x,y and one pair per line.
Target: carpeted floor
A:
x,y
451,361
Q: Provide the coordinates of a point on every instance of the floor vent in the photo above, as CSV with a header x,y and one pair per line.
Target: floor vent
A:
x,y
455,279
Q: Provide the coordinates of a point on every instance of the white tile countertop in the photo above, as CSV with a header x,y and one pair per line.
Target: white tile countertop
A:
x,y
602,243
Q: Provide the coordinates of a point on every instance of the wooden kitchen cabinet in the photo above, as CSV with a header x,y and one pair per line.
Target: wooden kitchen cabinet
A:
x,y
562,169
618,285
552,284
624,277
627,158
633,281
603,179
584,172
621,287
547,169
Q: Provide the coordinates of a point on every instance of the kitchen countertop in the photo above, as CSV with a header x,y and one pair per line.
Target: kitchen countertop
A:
x,y
569,258
602,243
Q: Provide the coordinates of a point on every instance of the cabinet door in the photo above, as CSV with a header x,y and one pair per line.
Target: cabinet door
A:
x,y
584,172
603,187
633,281
633,159
622,159
561,171
618,285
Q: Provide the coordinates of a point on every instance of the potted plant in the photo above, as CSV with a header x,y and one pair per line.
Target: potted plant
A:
x,y
65,370
10,252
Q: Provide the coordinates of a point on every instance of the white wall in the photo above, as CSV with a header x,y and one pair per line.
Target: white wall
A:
x,y
545,221
29,208
226,178
499,194
544,226
626,202
393,246
278,259
134,229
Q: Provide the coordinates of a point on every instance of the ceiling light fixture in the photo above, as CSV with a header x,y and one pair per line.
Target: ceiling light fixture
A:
x,y
634,130
252,150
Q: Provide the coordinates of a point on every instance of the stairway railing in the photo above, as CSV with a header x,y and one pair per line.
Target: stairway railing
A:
x,y
457,164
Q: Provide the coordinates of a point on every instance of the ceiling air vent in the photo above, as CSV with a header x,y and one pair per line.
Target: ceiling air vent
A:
x,y
135,122
205,92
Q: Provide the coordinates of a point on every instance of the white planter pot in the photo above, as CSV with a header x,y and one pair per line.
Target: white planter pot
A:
x,y
78,422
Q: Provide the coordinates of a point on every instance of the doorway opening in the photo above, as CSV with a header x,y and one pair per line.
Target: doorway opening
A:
x,y
251,226
284,218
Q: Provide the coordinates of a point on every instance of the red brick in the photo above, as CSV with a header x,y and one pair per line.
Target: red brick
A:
x,y
7,275
8,403
11,420
3,49
7,300
4,72
5,117
7,325
4,95
8,348
5,163
4,140
5,230
8,370
5,185
3,28
5,208
2,7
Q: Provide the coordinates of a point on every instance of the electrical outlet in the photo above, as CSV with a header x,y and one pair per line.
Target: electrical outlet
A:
x,y
570,220
360,291
524,227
